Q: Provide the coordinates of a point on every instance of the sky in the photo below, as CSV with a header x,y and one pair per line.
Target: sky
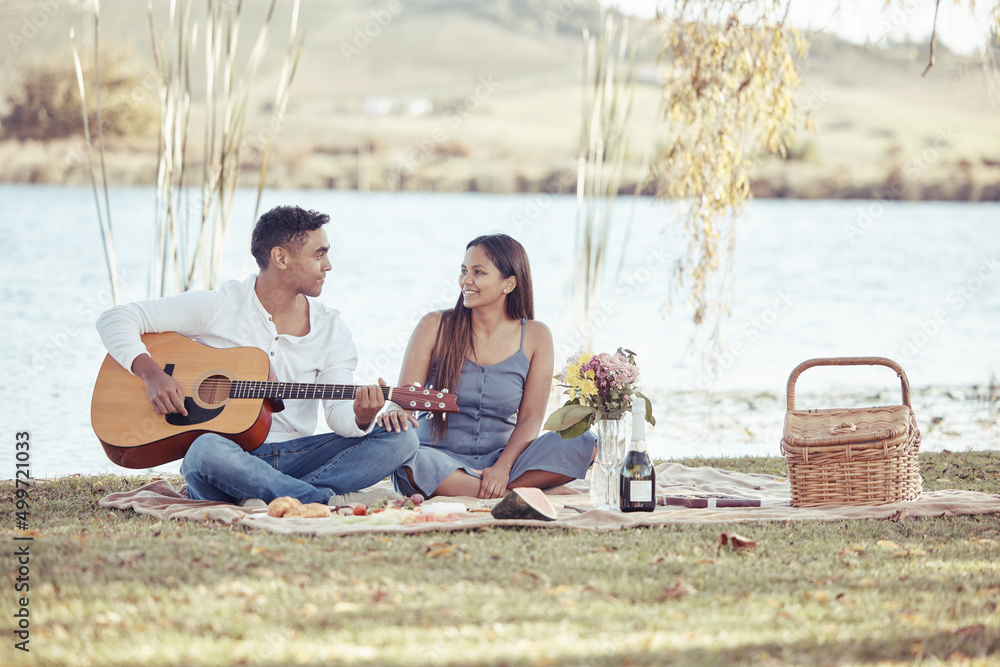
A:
x,y
864,21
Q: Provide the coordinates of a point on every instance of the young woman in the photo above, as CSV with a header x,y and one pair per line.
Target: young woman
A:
x,y
489,351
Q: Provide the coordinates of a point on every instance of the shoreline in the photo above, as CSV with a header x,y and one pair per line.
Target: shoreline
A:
x,y
735,423
65,163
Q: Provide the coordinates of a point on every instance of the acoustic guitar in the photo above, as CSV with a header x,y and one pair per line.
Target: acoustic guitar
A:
x,y
229,391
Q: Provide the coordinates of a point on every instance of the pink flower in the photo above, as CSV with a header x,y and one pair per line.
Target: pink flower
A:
x,y
615,377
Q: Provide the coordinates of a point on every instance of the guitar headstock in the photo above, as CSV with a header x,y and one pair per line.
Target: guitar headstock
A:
x,y
425,400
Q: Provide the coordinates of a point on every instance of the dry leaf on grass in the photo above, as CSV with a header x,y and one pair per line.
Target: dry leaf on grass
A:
x,y
677,590
819,596
439,549
914,551
539,578
738,542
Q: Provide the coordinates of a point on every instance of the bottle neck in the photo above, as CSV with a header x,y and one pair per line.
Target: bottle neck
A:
x,y
638,439
637,445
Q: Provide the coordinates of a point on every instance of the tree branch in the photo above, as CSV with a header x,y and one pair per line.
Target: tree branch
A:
x,y
937,6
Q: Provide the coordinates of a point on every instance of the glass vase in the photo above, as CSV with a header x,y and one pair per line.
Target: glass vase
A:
x,y
610,456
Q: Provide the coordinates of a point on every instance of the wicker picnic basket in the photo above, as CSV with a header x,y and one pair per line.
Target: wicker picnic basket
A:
x,y
860,456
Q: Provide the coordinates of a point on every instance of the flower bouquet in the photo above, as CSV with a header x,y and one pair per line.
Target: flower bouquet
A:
x,y
600,386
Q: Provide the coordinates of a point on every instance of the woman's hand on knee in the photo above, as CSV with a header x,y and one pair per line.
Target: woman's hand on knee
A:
x,y
494,482
396,420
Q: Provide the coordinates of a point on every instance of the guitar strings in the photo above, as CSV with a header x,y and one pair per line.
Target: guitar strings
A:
x,y
264,388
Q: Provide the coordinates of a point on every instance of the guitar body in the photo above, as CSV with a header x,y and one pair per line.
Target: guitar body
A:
x,y
133,436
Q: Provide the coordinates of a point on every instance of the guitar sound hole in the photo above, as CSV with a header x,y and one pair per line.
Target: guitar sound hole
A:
x,y
214,390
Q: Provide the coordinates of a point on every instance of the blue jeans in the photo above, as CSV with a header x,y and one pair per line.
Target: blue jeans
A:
x,y
311,469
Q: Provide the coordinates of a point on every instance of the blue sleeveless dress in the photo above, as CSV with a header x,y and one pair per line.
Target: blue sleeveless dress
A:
x,y
488,400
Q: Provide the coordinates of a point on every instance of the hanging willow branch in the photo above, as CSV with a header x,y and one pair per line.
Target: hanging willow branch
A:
x,y
937,6
729,78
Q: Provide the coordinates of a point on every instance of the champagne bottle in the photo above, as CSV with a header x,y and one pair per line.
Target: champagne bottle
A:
x,y
638,479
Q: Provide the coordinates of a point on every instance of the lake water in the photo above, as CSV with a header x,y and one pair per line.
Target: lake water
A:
x,y
915,282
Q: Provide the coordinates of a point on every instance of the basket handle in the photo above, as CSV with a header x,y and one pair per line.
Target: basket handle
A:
x,y
847,361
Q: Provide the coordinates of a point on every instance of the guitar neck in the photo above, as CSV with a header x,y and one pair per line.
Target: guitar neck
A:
x,y
410,398
293,390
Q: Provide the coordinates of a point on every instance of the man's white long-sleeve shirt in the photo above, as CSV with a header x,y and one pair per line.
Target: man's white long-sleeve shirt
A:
x,y
233,316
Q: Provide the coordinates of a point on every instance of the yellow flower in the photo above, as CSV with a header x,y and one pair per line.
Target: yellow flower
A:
x,y
573,367
579,386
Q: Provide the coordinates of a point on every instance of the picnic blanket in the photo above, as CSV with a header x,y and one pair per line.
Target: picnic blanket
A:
x,y
160,499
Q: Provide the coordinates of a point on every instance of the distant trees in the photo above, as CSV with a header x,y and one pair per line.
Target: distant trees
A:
x,y
46,103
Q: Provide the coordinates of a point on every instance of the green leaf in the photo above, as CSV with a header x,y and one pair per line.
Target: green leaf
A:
x,y
576,430
649,408
567,416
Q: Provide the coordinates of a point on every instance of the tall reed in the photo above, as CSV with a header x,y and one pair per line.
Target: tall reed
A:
x,y
190,238
103,218
608,94
288,68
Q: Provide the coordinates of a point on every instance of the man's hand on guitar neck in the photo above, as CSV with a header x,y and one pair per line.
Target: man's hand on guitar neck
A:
x,y
368,402
164,392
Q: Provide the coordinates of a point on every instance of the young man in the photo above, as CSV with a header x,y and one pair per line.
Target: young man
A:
x,y
276,311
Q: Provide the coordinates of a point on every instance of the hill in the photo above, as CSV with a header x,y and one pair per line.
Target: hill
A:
x,y
486,96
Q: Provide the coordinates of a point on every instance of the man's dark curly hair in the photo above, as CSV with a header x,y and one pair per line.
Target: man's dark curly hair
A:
x,y
284,226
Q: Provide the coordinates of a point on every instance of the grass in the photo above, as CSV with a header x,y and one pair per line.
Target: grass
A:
x,y
113,587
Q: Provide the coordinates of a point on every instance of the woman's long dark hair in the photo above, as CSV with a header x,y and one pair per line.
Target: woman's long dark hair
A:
x,y
455,340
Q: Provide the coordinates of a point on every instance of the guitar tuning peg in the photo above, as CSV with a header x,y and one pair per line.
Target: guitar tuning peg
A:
x,y
444,391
